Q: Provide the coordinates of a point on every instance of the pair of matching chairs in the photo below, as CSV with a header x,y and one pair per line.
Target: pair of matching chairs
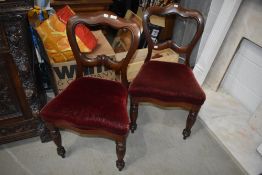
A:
x,y
98,107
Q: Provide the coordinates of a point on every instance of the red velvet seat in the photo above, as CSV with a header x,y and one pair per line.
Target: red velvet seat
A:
x,y
170,82
93,106
166,83
80,105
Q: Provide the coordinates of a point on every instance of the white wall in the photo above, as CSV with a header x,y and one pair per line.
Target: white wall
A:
x,y
243,79
214,10
215,39
185,29
247,24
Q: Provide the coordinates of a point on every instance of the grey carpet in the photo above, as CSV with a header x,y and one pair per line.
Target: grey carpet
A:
x,y
156,148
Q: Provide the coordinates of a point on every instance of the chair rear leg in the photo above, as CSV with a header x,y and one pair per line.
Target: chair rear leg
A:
x,y
56,136
120,151
133,115
189,123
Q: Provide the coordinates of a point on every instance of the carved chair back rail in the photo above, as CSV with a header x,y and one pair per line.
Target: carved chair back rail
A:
x,y
105,18
172,10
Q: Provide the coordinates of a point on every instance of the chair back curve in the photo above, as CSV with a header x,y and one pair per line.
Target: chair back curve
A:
x,y
172,9
109,19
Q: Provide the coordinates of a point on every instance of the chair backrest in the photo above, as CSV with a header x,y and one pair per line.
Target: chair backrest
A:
x,y
171,10
109,19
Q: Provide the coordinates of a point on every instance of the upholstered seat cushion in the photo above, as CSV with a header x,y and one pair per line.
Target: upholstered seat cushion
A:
x,y
90,103
169,82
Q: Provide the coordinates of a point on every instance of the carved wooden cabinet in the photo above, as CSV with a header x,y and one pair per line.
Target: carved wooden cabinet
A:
x,y
82,6
21,97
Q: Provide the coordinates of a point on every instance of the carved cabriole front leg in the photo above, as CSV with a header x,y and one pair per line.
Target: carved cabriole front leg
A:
x,y
56,136
44,132
133,115
189,123
120,151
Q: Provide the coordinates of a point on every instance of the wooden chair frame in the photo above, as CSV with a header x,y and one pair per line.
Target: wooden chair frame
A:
x,y
82,60
186,50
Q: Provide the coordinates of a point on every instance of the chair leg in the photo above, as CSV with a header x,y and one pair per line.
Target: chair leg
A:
x,y
56,136
133,115
189,123
120,151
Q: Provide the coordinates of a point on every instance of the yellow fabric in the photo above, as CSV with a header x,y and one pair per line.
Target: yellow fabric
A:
x,y
53,35
34,16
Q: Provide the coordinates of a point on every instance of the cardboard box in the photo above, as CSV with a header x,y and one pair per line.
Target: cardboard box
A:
x,y
65,72
135,64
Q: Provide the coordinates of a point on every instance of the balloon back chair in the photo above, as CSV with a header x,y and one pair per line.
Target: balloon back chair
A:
x,y
93,106
165,83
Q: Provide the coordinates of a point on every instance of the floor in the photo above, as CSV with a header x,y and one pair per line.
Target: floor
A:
x,y
155,148
228,122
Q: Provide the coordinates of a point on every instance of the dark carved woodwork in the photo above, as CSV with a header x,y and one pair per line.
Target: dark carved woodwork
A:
x,y
120,151
43,132
191,119
15,5
21,51
21,97
8,100
82,7
133,115
56,136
